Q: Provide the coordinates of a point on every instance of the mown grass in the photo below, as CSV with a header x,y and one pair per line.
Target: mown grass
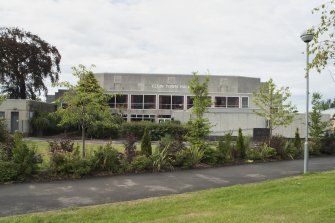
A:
x,y
308,198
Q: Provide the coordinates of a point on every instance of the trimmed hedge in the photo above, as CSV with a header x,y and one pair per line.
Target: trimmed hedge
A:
x,y
157,130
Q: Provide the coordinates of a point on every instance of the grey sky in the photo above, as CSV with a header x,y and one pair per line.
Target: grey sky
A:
x,y
258,38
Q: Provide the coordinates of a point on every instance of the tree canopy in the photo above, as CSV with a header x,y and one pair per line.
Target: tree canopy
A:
x,y
26,61
273,105
85,103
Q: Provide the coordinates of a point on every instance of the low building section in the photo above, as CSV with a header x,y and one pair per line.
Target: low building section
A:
x,y
17,113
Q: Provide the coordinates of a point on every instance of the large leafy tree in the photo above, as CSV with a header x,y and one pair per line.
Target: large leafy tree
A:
x,y
273,105
199,126
26,61
316,126
86,104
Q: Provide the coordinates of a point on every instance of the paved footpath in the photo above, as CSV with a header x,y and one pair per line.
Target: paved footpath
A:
x,y
35,197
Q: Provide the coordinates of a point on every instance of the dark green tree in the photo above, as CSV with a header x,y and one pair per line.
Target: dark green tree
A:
x,y
199,127
25,62
240,146
86,104
316,126
146,148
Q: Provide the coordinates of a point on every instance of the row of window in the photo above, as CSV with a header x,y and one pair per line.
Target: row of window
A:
x,y
174,102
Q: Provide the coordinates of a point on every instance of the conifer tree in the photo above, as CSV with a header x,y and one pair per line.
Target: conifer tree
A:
x,y
146,148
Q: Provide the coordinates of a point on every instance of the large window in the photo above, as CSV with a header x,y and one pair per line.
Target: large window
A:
x,y
177,102
233,102
149,101
119,101
221,102
136,118
143,101
164,101
245,102
137,101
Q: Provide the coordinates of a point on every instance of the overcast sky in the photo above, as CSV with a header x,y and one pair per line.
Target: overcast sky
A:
x,y
258,38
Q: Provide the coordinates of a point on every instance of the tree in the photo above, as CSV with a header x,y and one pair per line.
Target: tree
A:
x,y
297,140
316,126
146,144
199,127
86,103
240,146
273,105
25,62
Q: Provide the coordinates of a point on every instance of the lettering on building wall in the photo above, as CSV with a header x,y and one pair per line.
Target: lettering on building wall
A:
x,y
169,86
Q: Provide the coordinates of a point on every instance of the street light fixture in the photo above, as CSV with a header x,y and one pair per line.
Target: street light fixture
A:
x,y
307,37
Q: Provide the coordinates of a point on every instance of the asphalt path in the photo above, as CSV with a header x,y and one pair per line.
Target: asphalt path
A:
x,y
35,197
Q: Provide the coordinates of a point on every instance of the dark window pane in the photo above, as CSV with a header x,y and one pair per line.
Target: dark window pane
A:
x,y
189,102
245,102
221,102
178,102
164,101
111,102
137,101
122,101
233,102
149,101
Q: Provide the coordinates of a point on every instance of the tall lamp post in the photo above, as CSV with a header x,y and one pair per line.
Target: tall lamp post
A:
x,y
306,37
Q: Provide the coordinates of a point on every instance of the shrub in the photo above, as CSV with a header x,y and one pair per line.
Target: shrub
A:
x,y
172,144
263,152
291,152
328,144
189,157
225,149
278,142
106,158
297,140
141,163
61,145
25,157
240,146
210,156
157,130
160,160
146,148
130,147
8,171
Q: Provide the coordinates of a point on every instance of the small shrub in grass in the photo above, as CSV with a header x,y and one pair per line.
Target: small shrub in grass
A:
x,y
146,148
161,160
61,145
210,156
106,158
141,163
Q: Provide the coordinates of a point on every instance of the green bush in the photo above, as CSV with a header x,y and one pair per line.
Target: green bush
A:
x,y
328,143
297,140
291,152
106,158
211,156
240,146
146,148
263,152
161,160
189,157
173,145
141,163
8,171
225,148
157,130
130,147
278,142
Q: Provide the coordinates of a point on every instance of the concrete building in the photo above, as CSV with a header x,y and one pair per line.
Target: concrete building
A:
x,y
17,113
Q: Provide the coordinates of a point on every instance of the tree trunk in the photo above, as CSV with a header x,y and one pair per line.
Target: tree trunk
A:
x,y
23,93
83,139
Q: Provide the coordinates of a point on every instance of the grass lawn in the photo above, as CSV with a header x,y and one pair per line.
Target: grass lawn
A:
x,y
309,198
